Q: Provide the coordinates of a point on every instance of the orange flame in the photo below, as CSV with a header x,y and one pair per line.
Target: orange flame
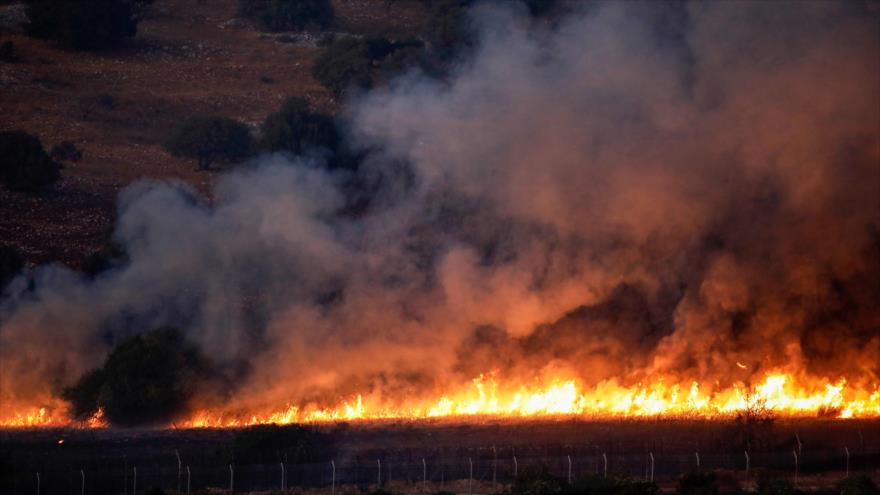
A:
x,y
777,393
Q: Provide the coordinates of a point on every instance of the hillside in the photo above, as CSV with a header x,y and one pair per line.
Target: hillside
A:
x,y
189,57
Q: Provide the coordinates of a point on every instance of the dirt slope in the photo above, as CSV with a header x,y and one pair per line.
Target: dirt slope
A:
x,y
189,57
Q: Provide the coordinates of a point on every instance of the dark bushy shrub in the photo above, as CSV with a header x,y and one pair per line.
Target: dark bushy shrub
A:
x,y
344,64
84,396
538,8
348,62
146,379
296,127
24,164
7,51
111,254
446,27
210,139
11,263
83,24
698,483
537,481
776,486
285,15
66,151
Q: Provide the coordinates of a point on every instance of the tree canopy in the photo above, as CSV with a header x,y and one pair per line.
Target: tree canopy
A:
x,y
296,127
83,24
146,379
210,139
24,164
284,15
11,263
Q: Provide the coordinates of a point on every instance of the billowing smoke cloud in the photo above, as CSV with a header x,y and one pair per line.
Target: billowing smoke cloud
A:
x,y
638,189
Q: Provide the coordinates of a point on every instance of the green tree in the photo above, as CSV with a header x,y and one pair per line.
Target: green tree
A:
x,y
344,64
210,139
24,164
446,26
296,127
11,263
146,379
83,397
83,24
285,15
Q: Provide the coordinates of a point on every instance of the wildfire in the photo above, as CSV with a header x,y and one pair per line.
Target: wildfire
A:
x,y
779,394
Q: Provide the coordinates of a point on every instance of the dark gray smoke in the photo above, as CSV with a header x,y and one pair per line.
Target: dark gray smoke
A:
x,y
640,189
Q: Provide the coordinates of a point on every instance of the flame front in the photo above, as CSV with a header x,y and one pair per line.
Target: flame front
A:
x,y
779,394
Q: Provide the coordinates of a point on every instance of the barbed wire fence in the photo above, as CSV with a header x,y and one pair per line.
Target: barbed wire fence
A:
x,y
482,471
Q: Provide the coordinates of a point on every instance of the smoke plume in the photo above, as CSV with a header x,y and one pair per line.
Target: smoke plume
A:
x,y
632,190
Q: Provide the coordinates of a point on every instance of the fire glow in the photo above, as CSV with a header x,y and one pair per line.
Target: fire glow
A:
x,y
777,394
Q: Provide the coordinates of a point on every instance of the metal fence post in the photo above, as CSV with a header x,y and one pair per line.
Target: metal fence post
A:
x,y
845,449
378,472
746,452
569,468
38,483
651,455
470,475
605,458
698,460
82,486
424,475
231,479
282,475
187,480
494,465
333,477
134,488
176,453
794,452
515,469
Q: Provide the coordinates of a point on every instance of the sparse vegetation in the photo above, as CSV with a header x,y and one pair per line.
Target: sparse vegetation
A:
x,y
537,481
776,486
11,263
857,485
285,15
24,164
209,140
83,24
146,379
753,426
271,443
106,100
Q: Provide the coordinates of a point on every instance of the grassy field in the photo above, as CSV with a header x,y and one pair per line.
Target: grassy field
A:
x,y
427,456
